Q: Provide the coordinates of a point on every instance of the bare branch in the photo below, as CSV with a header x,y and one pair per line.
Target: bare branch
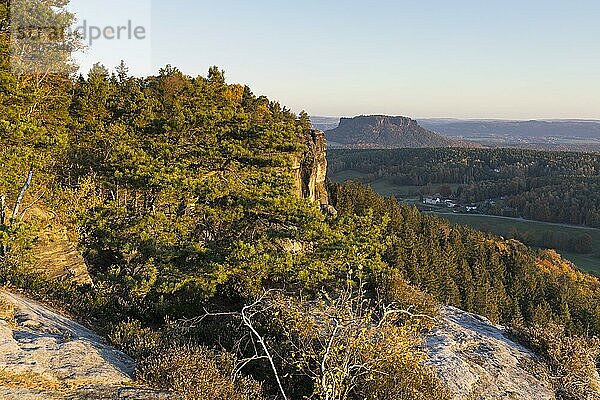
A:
x,y
245,315
4,248
15,214
391,312
33,203
2,209
261,341
242,364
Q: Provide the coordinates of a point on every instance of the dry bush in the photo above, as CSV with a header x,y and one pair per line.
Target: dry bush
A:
x,y
198,373
352,348
195,372
394,289
342,345
134,339
30,380
394,351
570,359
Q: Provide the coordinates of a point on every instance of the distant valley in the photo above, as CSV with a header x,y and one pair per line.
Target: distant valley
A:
x,y
559,135
544,199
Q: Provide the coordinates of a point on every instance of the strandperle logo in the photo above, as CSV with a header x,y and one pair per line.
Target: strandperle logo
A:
x,y
86,31
41,40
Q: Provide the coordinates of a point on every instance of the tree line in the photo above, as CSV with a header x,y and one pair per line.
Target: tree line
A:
x,y
560,187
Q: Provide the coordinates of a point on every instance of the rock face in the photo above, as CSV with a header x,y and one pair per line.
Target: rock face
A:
x,y
476,360
311,170
44,355
55,249
385,132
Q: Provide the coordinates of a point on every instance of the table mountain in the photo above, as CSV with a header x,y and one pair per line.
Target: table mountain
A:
x,y
385,132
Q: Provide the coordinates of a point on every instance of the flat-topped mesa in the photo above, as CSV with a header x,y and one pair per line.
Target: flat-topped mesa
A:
x,y
379,120
387,132
310,171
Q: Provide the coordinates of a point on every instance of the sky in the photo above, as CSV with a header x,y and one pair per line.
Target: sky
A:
x,y
505,59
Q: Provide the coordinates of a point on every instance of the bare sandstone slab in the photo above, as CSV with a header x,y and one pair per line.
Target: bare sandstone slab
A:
x,y
45,355
477,361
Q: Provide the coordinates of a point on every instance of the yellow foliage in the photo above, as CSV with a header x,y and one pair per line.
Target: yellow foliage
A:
x,y
234,94
552,263
501,246
7,311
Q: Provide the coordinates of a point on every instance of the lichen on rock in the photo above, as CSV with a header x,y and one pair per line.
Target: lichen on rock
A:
x,y
45,355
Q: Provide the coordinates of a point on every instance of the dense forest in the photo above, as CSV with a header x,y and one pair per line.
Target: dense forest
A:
x,y
222,282
559,187
462,267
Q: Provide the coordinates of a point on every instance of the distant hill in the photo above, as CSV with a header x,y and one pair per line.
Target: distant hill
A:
x,y
386,132
535,128
558,135
325,123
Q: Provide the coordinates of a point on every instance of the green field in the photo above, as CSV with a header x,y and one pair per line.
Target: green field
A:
x,y
346,175
503,227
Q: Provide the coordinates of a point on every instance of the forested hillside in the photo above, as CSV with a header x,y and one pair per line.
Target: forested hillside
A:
x,y
545,186
501,279
221,281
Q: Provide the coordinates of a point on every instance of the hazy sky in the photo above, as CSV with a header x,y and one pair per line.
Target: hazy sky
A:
x,y
423,58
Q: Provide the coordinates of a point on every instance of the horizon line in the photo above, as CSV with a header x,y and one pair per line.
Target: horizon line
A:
x,y
467,119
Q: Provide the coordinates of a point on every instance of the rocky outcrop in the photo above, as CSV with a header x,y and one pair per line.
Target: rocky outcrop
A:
x,y
310,171
56,249
44,355
386,132
476,360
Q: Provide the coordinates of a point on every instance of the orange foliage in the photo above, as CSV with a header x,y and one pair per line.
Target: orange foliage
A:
x,y
551,262
501,246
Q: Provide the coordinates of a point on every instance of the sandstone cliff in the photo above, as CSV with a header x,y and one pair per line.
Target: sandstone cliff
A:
x,y
310,170
55,248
